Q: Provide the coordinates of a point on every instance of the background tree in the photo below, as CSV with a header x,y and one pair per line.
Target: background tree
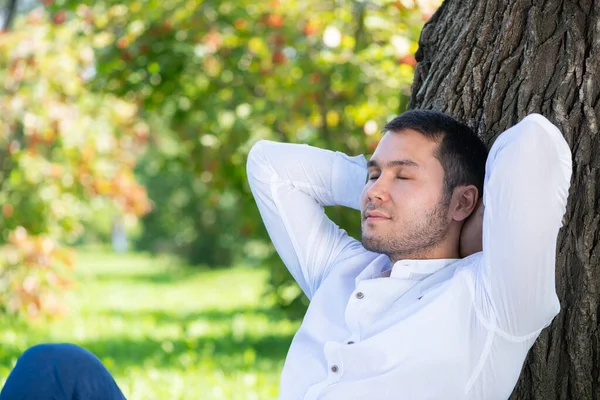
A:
x,y
213,77
8,13
490,63
63,152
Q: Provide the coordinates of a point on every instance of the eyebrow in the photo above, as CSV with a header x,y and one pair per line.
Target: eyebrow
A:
x,y
393,163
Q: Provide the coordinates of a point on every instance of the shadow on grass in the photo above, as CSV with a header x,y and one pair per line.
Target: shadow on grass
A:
x,y
274,315
227,352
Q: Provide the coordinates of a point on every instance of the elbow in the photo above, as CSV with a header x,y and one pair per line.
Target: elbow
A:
x,y
548,310
547,138
257,163
552,307
256,153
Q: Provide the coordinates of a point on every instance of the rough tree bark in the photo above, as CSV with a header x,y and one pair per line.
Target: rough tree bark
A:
x,y
489,63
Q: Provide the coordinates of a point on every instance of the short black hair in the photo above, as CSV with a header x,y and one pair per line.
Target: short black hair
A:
x,y
461,152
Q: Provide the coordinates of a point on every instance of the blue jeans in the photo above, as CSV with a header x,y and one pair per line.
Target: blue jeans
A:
x,y
60,372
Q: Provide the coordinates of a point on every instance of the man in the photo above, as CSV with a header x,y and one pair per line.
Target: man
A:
x,y
400,315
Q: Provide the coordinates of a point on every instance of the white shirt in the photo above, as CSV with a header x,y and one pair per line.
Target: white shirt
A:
x,y
433,329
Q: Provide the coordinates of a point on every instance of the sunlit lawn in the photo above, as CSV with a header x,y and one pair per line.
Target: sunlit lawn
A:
x,y
168,332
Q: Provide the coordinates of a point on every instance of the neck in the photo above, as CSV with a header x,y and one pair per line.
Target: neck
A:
x,y
447,248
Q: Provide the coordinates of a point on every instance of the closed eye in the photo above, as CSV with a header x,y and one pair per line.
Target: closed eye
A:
x,y
372,175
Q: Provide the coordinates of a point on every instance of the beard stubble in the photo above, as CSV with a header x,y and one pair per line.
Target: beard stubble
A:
x,y
412,239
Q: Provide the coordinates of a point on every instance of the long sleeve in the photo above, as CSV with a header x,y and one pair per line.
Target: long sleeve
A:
x,y
528,174
291,184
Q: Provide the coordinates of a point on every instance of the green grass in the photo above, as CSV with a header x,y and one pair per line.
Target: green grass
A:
x,y
165,331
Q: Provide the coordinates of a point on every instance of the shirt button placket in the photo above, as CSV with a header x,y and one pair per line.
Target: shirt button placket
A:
x,y
359,296
352,311
334,362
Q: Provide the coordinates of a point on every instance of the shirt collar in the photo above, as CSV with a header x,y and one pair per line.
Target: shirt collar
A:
x,y
415,270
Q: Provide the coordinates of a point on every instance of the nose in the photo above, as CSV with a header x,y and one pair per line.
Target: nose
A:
x,y
378,192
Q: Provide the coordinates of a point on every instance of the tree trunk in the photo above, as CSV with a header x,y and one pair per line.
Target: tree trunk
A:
x,y
489,63
9,14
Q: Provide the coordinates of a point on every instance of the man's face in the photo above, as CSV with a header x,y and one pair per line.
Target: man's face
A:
x,y
402,204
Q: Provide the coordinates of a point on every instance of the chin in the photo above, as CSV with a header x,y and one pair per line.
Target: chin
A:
x,y
372,232
370,242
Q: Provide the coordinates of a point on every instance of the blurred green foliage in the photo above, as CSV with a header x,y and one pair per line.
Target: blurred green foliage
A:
x,y
210,78
64,151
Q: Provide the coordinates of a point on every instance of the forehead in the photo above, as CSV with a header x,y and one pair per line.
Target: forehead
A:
x,y
406,144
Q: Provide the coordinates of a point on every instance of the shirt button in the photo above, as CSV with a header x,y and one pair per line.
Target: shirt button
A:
x,y
334,369
351,342
360,295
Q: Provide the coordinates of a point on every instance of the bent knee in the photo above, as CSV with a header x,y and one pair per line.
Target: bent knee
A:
x,y
55,351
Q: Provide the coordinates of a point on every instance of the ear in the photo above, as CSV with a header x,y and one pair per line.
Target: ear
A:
x,y
463,202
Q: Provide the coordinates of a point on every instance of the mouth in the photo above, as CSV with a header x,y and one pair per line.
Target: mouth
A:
x,y
376,219
374,216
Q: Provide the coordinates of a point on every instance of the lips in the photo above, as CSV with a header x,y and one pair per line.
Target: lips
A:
x,y
375,216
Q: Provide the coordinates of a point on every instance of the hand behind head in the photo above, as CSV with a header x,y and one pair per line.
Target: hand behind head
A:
x,y
471,233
